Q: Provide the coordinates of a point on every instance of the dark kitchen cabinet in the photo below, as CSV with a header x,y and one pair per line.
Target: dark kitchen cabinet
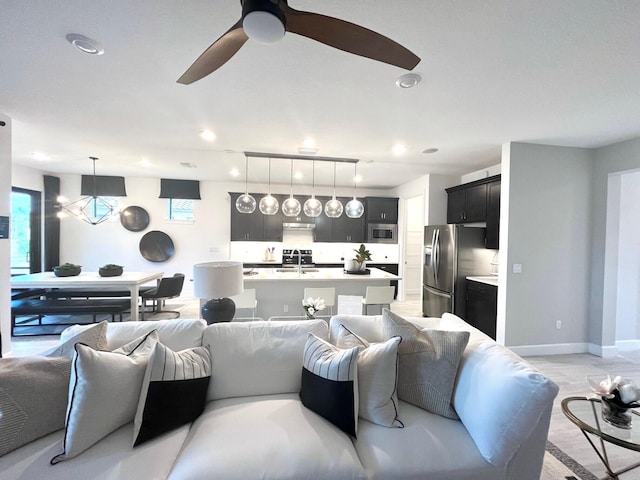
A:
x,y
341,229
493,215
254,227
381,210
467,204
482,307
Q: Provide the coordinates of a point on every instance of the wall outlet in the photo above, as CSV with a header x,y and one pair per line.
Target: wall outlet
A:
x,y
517,268
558,324
285,308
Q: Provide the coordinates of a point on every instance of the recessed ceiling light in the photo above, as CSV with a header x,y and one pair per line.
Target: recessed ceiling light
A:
x,y
85,44
207,135
399,149
408,80
145,162
298,175
234,172
309,142
39,156
188,165
430,150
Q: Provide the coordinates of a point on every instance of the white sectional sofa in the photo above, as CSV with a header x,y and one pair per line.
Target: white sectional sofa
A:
x,y
255,426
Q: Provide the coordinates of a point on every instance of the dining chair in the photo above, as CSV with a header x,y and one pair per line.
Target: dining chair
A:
x,y
168,287
378,296
328,294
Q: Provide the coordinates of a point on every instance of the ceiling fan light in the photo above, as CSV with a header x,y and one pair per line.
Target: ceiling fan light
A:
x,y
291,207
354,208
269,205
333,208
246,203
312,207
263,27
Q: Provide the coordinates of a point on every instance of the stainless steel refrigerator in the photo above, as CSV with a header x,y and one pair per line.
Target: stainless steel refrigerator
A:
x,y
451,253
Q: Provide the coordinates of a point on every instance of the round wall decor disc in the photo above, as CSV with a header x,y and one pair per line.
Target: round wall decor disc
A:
x,y
134,219
156,246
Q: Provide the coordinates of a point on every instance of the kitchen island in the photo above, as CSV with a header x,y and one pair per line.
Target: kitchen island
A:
x,y
280,293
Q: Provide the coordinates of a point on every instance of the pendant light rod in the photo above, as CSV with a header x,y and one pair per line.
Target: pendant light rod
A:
x,y
93,159
302,157
246,175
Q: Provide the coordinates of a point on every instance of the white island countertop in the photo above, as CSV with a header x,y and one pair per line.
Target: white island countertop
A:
x,y
488,279
320,274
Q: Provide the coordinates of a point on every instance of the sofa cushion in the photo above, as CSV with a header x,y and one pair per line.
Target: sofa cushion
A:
x,y
112,458
174,391
369,327
257,358
177,334
377,377
330,383
267,437
428,363
428,447
33,398
103,392
511,394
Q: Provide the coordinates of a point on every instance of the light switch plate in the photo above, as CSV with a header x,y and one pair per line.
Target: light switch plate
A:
x,y
517,268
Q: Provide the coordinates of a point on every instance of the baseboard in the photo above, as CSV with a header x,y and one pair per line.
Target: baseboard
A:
x,y
550,349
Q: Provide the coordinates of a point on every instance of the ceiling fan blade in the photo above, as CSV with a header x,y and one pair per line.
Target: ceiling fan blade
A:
x,y
216,55
348,37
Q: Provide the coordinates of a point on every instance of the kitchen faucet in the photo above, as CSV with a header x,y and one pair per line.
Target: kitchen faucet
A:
x,y
299,258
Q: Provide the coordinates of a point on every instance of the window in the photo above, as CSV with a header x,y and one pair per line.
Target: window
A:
x,y
180,209
25,231
99,209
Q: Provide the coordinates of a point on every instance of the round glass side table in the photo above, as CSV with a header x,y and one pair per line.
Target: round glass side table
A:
x,y
586,414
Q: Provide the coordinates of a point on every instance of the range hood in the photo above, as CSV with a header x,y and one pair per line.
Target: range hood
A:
x,y
298,226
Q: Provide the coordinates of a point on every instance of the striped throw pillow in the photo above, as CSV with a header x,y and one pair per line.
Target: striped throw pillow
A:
x,y
174,391
330,383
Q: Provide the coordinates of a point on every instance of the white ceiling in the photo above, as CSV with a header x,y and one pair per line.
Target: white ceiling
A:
x,y
561,72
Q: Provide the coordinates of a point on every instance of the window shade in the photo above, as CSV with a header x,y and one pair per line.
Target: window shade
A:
x,y
106,186
183,189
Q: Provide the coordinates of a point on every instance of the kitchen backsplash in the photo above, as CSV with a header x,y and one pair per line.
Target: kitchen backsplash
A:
x,y
254,252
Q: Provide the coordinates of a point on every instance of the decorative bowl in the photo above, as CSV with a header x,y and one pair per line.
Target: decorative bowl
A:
x,y
66,272
110,272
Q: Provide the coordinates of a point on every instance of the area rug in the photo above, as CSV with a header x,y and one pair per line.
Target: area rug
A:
x,y
560,466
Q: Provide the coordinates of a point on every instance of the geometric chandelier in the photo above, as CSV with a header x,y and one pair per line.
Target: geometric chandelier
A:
x,y
91,209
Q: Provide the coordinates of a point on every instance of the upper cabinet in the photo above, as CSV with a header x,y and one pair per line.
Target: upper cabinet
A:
x,y
467,204
493,215
475,202
341,229
381,210
254,227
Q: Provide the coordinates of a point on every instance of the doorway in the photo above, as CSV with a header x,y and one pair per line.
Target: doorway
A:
x,y
414,232
26,241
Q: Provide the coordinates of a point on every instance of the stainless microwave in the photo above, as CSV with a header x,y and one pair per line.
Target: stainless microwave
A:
x,y
382,233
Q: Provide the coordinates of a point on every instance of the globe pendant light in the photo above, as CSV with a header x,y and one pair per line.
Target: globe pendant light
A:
x,y
313,206
354,207
291,206
269,204
246,203
333,208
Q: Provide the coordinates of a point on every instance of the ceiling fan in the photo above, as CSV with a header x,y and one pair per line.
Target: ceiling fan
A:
x,y
266,21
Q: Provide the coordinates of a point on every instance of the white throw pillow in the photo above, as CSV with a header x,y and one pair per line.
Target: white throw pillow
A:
x,y
174,391
94,336
377,377
329,384
428,362
103,392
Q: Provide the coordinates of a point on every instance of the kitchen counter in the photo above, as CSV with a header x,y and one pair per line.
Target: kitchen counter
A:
x,y
488,279
281,293
322,274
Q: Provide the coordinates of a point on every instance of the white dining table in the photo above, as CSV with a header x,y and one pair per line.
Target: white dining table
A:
x,y
129,280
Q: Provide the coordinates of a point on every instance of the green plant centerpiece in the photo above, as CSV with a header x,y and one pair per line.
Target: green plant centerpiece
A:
x,y
67,270
110,270
357,264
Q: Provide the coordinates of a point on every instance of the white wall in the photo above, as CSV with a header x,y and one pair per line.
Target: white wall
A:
x,y
548,226
5,245
620,157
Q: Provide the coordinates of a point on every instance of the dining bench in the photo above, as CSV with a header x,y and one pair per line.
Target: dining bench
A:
x,y
39,308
